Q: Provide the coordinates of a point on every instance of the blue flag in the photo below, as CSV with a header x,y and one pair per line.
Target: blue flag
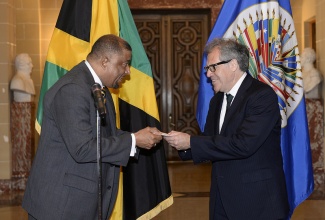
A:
x,y
267,29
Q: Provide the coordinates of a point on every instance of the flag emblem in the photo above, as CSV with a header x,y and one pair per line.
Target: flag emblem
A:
x,y
266,29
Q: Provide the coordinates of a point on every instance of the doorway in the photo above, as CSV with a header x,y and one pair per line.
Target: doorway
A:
x,y
174,43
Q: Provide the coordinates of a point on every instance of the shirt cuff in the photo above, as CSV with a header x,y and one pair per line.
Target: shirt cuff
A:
x,y
133,147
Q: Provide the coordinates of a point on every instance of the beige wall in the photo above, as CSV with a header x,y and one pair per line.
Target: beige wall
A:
x,y
308,14
303,11
7,52
27,26
28,34
296,7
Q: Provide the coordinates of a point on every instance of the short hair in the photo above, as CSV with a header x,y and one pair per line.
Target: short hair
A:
x,y
110,44
230,49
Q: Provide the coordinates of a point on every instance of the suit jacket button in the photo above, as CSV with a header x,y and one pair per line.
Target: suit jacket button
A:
x,y
109,187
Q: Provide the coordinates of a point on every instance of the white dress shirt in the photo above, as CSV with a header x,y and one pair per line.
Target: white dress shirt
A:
x,y
232,92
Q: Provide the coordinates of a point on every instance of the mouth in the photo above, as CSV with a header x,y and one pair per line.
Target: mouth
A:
x,y
214,81
120,79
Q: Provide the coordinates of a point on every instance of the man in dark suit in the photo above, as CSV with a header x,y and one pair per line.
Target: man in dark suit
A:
x,y
63,183
242,141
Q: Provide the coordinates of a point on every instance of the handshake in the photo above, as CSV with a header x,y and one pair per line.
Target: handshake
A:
x,y
148,137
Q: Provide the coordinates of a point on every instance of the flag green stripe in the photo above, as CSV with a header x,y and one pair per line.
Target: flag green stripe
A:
x,y
139,91
52,73
129,32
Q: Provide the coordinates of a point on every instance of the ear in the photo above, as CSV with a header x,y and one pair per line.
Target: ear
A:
x,y
104,62
233,65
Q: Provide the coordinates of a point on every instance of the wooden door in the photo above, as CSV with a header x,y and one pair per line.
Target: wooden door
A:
x,y
174,42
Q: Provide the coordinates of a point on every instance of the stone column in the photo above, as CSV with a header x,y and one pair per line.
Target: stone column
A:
x,y
22,138
315,114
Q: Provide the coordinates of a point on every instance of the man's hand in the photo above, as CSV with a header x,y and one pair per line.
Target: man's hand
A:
x,y
148,137
178,140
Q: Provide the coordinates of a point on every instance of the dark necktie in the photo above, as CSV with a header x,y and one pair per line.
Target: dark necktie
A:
x,y
229,99
110,109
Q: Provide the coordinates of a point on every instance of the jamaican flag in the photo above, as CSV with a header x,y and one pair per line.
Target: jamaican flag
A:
x,y
80,23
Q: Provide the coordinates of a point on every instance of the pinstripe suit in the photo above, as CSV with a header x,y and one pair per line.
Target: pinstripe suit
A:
x,y
63,179
247,169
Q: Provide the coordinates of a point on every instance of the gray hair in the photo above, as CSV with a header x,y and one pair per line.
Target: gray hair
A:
x,y
230,49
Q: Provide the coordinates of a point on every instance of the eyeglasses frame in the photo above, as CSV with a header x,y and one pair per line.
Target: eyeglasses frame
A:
x,y
206,68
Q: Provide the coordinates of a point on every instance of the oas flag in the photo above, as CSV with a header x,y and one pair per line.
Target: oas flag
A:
x,y
267,29
80,23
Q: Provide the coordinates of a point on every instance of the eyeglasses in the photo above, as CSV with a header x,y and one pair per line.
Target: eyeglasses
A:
x,y
212,67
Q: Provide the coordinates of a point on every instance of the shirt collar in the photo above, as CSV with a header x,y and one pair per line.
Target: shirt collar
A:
x,y
235,88
93,73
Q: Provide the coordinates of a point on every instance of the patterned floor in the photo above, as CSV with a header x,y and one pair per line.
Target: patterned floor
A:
x,y
190,186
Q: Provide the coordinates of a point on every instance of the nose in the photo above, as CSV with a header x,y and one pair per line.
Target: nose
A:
x,y
127,69
209,73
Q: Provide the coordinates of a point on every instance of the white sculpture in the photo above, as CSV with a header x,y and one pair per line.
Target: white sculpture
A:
x,y
311,76
22,84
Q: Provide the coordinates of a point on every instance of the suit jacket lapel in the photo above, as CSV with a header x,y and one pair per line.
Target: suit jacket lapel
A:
x,y
218,105
212,121
241,93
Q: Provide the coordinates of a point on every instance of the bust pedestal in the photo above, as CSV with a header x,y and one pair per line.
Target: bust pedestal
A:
x,y
22,137
315,113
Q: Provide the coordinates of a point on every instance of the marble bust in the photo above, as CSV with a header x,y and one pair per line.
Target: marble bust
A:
x,y
22,84
311,76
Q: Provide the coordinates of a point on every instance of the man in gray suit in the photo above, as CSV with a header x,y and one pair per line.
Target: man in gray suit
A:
x,y
241,138
63,183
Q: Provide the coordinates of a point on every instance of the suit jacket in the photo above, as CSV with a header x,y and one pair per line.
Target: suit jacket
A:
x,y
63,182
246,156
